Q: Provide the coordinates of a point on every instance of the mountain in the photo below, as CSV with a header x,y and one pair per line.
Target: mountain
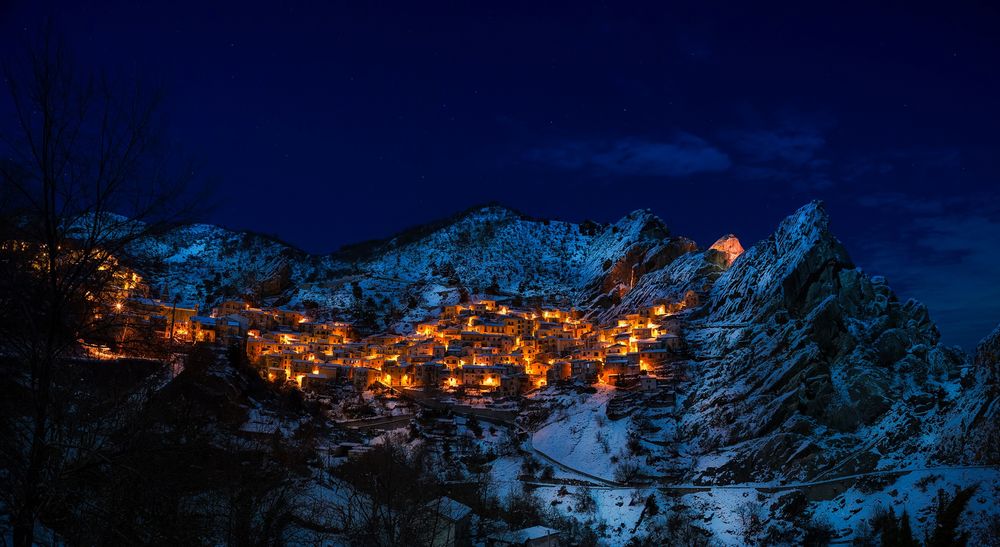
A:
x,y
799,368
406,278
808,366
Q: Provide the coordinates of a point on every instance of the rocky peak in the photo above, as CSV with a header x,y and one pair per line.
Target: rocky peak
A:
x,y
988,354
792,271
729,247
491,211
642,223
806,226
801,345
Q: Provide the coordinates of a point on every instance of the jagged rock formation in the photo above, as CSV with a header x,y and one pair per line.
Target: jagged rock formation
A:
x,y
805,363
988,355
978,435
729,248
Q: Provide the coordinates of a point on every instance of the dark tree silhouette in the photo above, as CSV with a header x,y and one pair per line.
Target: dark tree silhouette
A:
x,y
82,180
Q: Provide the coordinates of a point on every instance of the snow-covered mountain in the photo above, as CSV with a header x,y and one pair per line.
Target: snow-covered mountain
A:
x,y
801,363
807,366
800,368
407,278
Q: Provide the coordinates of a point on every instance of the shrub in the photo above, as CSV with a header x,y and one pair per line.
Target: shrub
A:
x,y
634,444
652,508
818,531
751,518
522,509
926,481
627,472
547,473
585,502
870,484
602,440
529,466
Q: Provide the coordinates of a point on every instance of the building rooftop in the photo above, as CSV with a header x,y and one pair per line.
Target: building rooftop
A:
x,y
524,535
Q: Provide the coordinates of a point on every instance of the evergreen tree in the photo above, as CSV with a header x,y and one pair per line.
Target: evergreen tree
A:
x,y
948,517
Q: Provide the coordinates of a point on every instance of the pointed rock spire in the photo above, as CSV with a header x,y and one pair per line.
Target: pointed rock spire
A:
x,y
730,247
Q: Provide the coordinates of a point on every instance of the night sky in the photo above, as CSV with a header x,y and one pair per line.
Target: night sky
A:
x,y
326,125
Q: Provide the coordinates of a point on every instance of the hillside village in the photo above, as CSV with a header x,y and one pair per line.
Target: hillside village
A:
x,y
485,346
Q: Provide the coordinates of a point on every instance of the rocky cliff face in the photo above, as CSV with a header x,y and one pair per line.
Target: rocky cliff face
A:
x,y
988,355
806,365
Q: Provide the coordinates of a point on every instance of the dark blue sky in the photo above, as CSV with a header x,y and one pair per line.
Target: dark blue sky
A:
x,y
328,124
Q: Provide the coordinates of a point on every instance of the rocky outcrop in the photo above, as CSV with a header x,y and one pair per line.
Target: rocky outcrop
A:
x,y
988,355
728,248
798,348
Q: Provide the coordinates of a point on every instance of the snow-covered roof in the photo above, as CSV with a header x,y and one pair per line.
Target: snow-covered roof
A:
x,y
450,509
524,535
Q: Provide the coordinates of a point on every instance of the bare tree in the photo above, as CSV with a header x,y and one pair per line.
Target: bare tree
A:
x,y
82,182
391,498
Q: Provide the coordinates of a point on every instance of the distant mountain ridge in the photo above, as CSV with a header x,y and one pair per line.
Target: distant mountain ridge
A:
x,y
410,275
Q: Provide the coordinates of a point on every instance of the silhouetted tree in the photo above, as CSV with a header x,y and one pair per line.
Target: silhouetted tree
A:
x,y
82,181
948,516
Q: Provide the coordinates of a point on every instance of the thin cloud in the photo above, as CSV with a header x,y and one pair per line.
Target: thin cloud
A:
x,y
796,147
682,156
940,252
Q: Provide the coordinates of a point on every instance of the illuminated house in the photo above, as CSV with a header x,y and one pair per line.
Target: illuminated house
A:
x,y
173,316
516,384
227,307
482,376
479,345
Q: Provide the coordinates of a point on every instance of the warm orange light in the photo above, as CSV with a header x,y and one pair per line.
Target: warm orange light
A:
x,y
387,380
488,381
453,382
118,306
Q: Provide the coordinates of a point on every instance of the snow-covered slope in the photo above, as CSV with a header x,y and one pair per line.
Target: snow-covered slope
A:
x,y
201,263
405,279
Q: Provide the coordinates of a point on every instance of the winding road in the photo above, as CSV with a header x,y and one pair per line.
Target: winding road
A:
x,y
600,483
